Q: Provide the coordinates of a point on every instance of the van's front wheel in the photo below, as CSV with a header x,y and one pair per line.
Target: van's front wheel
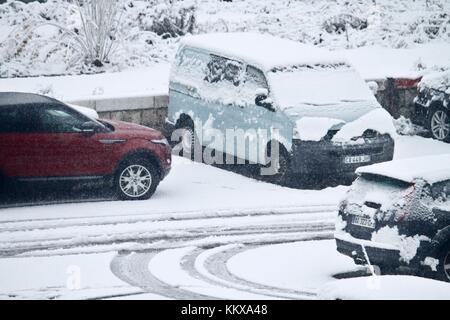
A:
x,y
278,168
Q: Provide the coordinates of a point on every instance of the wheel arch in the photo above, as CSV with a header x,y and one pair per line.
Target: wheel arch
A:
x,y
141,154
283,147
183,118
440,241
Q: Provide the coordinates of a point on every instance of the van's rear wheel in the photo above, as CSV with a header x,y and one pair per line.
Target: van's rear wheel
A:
x,y
188,139
136,179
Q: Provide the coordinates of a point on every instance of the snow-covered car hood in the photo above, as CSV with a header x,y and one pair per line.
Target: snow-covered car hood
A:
x,y
131,130
350,119
344,111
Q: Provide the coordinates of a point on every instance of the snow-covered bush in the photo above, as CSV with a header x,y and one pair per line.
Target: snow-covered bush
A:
x,y
31,45
95,40
171,19
341,23
405,127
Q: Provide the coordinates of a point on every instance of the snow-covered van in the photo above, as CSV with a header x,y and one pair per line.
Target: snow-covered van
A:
x,y
397,214
264,89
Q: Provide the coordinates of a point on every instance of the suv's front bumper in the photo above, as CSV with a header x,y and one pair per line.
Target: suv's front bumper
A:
x,y
326,157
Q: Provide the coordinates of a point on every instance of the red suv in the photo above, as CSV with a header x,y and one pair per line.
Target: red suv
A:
x,y
42,139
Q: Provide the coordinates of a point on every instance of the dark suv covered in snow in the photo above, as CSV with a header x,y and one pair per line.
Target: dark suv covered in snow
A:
x,y
432,105
397,214
45,140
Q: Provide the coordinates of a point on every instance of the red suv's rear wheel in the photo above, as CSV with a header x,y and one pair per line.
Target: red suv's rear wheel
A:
x,y
136,180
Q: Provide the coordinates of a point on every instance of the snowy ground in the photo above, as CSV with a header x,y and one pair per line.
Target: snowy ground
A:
x,y
207,233
193,240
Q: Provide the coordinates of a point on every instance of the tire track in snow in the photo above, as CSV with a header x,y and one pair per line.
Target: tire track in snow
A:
x,y
53,223
194,273
284,232
134,269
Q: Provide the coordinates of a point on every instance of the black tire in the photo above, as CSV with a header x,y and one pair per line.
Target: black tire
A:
x,y
282,168
443,269
2,187
439,124
189,141
145,188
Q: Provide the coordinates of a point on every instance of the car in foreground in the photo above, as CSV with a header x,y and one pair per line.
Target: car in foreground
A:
x,y
45,140
397,215
432,105
263,91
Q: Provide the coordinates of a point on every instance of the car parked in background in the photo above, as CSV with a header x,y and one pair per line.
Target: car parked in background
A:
x,y
314,106
45,140
432,105
397,214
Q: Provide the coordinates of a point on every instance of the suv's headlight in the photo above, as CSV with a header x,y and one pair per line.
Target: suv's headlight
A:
x,y
163,141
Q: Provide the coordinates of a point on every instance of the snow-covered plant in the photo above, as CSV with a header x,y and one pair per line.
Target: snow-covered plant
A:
x,y
174,18
341,23
96,39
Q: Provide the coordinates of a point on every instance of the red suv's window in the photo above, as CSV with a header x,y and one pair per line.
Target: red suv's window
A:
x,y
17,119
59,119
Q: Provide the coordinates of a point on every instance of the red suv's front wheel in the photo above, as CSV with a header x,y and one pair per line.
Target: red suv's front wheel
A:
x,y
136,180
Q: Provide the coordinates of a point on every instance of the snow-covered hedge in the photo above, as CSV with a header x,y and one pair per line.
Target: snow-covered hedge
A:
x,y
31,44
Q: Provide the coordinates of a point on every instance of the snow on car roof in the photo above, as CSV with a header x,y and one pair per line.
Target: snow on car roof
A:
x,y
262,50
20,98
438,81
431,169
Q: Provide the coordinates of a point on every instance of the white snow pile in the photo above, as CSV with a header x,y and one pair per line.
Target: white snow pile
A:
x,y
386,288
405,127
31,43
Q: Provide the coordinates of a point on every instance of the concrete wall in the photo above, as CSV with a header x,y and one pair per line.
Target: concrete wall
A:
x,y
396,95
150,111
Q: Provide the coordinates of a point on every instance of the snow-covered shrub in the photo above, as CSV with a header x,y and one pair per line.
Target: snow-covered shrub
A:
x,y
405,127
341,23
171,19
95,40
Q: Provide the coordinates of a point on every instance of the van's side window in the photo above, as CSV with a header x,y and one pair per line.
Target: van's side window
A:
x,y
254,80
255,77
192,65
222,69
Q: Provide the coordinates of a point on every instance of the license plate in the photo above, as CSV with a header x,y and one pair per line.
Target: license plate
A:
x,y
363,222
357,159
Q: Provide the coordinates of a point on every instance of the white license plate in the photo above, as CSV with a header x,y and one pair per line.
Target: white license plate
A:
x,y
363,222
357,159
